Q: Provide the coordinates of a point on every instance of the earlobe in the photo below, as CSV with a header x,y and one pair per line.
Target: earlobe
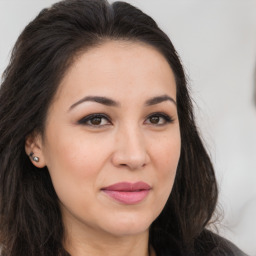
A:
x,y
34,158
34,150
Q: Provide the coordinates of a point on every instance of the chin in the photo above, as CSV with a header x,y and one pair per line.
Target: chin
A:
x,y
128,230
129,225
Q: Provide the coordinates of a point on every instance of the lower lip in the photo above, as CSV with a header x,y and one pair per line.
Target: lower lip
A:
x,y
127,197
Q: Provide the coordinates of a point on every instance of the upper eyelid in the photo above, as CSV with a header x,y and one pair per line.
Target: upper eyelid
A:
x,y
90,116
157,113
162,114
168,119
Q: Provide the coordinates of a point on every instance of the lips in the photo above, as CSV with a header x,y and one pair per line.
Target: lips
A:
x,y
128,193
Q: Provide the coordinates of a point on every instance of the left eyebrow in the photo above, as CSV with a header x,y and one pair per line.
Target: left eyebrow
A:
x,y
160,99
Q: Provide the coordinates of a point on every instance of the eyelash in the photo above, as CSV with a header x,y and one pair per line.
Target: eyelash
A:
x,y
167,118
85,120
88,119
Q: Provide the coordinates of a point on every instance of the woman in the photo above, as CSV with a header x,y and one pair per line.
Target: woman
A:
x,y
99,151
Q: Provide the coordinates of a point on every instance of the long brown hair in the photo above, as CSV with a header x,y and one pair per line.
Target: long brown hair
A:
x,y
30,217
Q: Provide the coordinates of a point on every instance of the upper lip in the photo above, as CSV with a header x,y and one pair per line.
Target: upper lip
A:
x,y
128,186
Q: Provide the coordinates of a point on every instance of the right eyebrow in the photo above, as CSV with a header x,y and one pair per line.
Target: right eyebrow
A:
x,y
102,100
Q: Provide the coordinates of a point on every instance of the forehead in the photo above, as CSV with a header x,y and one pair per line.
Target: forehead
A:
x,y
131,68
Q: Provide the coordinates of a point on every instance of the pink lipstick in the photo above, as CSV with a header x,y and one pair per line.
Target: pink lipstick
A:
x,y
128,193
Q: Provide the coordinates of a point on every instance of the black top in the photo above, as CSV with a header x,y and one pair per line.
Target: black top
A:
x,y
218,246
206,244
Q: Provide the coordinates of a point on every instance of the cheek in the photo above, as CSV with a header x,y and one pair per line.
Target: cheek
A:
x,y
74,151
166,153
75,170
76,165
166,158
74,162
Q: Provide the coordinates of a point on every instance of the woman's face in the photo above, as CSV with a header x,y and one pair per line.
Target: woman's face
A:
x,y
112,139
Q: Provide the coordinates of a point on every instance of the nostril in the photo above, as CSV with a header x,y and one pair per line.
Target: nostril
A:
x,y
130,152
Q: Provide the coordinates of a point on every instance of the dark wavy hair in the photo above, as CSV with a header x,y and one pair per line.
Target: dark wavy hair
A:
x,y
30,217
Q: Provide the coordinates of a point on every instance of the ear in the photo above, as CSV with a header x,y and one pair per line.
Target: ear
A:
x,y
34,148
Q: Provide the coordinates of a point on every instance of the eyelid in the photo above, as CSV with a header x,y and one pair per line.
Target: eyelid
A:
x,y
167,118
84,120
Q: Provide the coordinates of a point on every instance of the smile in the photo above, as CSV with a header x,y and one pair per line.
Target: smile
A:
x,y
128,193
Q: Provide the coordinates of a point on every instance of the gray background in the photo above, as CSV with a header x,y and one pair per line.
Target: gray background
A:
x,y
216,40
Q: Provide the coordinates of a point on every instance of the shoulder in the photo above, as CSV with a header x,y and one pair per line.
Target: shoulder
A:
x,y
211,244
206,244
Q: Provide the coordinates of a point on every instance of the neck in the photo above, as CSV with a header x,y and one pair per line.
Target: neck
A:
x,y
95,243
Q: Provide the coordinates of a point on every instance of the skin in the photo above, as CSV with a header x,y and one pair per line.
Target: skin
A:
x,y
131,143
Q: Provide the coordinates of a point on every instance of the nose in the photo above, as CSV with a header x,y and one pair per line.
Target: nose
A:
x,y
130,149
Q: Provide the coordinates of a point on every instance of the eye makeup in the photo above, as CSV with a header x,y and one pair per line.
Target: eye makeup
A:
x,y
95,120
158,119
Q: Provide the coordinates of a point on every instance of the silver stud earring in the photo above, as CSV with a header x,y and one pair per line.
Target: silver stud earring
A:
x,y
34,158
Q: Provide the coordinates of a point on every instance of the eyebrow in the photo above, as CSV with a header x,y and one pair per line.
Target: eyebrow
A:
x,y
109,102
159,99
98,99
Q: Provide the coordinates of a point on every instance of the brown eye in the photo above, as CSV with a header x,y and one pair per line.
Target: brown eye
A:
x,y
95,120
154,119
158,119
